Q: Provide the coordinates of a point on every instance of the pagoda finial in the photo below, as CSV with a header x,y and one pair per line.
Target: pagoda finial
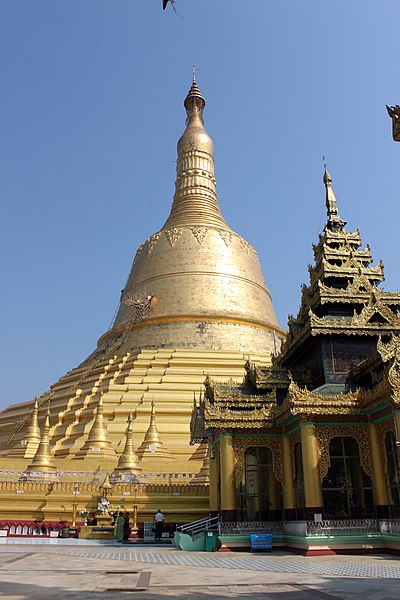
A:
x,y
98,440
128,461
152,440
335,223
195,199
194,101
98,433
43,461
33,431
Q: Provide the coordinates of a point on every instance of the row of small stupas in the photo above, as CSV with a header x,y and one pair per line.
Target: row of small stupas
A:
x,y
38,447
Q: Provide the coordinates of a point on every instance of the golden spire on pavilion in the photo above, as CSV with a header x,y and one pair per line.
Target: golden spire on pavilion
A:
x,y
128,461
334,221
152,443
43,461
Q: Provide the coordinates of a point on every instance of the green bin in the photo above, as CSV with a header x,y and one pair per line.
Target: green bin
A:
x,y
211,541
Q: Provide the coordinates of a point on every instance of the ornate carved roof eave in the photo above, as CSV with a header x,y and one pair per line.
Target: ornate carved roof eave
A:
x,y
343,253
328,327
303,402
293,342
351,239
373,331
223,417
344,271
362,321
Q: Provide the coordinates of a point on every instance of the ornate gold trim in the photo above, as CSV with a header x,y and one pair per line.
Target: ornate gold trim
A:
x,y
240,446
326,433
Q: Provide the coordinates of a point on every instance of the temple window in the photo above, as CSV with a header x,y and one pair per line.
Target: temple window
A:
x,y
259,498
347,489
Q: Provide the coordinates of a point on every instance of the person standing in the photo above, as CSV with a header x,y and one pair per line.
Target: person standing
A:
x,y
158,524
127,529
119,527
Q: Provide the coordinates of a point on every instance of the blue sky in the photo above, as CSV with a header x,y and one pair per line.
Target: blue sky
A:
x,y
91,110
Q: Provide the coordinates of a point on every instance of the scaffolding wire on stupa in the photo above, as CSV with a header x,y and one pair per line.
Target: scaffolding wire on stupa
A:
x,y
44,399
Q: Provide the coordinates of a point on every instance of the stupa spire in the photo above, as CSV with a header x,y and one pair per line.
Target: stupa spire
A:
x,y
33,431
195,200
98,441
335,223
152,442
43,461
128,461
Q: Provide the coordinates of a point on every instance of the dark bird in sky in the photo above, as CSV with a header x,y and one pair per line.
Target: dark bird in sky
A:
x,y
172,2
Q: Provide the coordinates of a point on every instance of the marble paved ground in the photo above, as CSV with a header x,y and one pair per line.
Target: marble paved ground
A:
x,y
64,572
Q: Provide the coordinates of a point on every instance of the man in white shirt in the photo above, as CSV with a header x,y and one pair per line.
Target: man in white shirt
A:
x,y
159,524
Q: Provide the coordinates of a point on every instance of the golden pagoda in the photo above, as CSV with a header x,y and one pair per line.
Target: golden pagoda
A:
x,y
195,305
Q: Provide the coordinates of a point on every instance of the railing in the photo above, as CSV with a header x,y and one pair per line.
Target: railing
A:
x,y
244,527
200,525
298,528
97,477
390,526
328,527
342,527
30,528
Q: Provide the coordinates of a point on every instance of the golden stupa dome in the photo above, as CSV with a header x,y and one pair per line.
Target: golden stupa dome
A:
x,y
196,283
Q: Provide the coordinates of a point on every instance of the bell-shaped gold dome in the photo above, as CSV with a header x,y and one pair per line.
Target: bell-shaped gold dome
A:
x,y
196,283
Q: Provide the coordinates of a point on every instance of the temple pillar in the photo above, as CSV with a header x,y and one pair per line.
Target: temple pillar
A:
x,y
227,476
213,476
396,416
311,471
275,511
378,479
289,500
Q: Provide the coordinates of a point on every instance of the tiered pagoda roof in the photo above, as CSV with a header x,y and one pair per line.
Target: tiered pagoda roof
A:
x,y
342,296
338,352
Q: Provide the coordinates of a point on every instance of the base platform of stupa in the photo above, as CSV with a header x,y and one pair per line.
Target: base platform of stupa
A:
x,y
172,474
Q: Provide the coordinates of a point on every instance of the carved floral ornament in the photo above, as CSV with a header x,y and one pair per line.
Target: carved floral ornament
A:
x,y
200,233
360,284
363,321
303,402
253,418
240,447
173,235
390,351
326,433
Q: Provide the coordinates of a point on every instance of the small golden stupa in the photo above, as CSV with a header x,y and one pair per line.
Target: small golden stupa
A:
x,y
195,304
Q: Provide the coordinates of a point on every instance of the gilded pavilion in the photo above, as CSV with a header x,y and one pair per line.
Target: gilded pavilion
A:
x,y
316,434
195,304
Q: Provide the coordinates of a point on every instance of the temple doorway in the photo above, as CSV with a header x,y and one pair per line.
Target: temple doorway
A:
x,y
260,496
347,489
